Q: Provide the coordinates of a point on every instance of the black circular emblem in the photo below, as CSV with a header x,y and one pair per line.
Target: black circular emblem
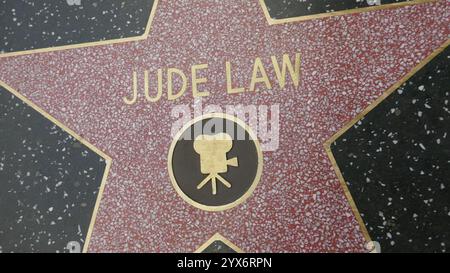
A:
x,y
215,162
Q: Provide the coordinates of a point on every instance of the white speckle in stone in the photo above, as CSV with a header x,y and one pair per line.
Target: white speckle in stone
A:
x,y
422,146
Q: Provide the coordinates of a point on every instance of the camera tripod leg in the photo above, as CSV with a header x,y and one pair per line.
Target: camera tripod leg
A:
x,y
214,185
213,178
225,182
204,181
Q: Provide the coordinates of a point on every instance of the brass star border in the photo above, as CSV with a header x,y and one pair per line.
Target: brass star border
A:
x,y
89,44
218,237
352,122
107,158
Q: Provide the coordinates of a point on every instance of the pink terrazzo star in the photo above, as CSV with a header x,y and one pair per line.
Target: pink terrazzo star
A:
x,y
298,206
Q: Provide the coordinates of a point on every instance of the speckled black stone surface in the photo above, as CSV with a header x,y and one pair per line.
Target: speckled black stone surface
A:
x,y
396,162
218,247
49,181
294,8
26,24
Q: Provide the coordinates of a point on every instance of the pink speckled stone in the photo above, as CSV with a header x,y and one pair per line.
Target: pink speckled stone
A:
x,y
347,62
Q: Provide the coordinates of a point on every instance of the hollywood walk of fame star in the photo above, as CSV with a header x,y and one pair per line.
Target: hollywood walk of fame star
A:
x,y
347,62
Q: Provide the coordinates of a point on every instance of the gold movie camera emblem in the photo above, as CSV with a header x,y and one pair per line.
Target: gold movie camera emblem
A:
x,y
213,151
216,155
